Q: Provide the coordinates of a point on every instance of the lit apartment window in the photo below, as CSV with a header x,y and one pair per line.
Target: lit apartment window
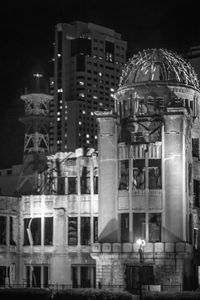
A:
x,y
82,95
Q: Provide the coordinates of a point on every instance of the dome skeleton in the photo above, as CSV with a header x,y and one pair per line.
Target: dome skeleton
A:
x,y
171,68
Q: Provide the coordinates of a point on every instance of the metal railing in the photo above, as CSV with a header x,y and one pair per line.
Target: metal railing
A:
x,y
114,288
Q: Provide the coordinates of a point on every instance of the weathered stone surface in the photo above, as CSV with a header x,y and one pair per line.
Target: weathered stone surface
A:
x,y
96,247
169,247
148,247
127,247
180,247
106,247
116,247
136,247
159,247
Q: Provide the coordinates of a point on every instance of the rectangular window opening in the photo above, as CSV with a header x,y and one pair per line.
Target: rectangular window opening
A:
x,y
2,230
154,227
139,174
72,231
95,224
124,175
72,185
85,231
48,231
124,228
85,181
139,226
32,231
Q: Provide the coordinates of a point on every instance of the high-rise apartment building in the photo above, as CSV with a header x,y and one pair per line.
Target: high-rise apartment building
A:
x,y
87,66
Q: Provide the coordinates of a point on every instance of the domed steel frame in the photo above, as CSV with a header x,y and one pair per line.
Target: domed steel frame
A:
x,y
158,65
153,82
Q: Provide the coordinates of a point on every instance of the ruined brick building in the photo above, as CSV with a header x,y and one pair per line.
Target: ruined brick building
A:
x,y
81,230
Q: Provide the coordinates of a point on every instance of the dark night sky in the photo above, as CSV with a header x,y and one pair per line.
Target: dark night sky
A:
x,y
27,33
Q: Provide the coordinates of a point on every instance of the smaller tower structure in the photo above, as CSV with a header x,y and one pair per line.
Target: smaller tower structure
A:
x,y
36,141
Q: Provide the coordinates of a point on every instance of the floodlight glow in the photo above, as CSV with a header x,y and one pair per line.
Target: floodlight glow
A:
x,y
140,242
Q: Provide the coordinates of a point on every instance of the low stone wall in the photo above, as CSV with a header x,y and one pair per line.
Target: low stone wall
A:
x,y
171,262
179,247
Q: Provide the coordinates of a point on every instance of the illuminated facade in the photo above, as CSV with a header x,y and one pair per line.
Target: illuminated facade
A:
x,y
87,67
45,240
149,171
144,184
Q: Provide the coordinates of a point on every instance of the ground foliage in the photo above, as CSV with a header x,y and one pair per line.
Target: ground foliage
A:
x,y
187,295
91,294
24,294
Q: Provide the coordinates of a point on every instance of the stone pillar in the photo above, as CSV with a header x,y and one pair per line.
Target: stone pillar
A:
x,y
174,165
108,177
58,260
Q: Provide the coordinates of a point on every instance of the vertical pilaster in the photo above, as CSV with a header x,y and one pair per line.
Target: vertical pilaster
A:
x,y
108,177
174,185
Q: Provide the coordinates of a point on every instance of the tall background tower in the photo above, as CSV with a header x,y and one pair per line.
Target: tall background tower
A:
x,y
87,66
